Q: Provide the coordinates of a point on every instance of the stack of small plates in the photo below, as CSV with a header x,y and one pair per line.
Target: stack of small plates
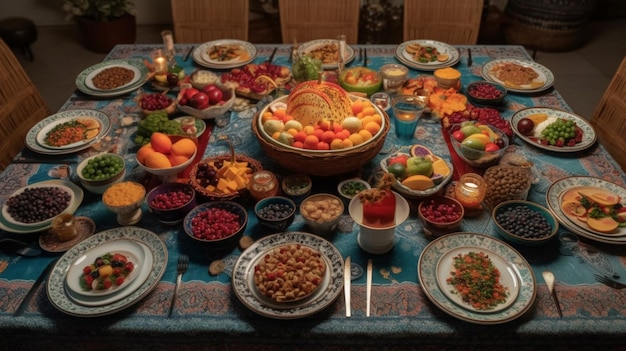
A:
x,y
11,225
35,138
406,58
84,81
248,53
142,247
436,264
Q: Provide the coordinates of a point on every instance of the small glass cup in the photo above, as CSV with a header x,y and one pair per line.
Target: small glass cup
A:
x,y
407,110
64,226
470,190
394,76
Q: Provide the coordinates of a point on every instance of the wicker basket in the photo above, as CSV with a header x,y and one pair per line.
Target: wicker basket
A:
x,y
212,195
323,164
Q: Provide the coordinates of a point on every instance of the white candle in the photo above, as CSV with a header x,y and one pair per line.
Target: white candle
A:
x,y
160,64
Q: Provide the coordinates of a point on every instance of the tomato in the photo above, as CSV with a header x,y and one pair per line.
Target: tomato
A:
x,y
491,147
458,135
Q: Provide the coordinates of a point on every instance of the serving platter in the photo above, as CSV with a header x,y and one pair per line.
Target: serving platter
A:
x,y
310,46
325,295
89,83
56,287
33,144
544,80
589,134
428,275
406,58
508,278
572,192
200,54
94,129
7,216
137,65
76,199
559,187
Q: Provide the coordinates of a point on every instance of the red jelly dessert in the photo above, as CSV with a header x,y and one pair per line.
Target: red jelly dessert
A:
x,y
379,204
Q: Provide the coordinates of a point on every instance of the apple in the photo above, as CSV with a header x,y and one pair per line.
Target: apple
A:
x,y
458,135
207,88
190,92
199,100
491,147
401,159
215,96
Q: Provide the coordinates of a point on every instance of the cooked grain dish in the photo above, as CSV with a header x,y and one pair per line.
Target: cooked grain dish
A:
x,y
112,77
515,74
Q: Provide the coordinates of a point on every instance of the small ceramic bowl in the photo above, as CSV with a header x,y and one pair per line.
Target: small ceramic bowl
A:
x,y
349,188
169,109
321,212
475,157
351,80
220,231
170,171
99,186
447,77
170,202
486,93
297,186
524,222
201,78
125,199
275,212
440,215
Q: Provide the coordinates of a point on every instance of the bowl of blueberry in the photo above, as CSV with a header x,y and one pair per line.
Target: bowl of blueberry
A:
x,y
524,222
170,202
275,212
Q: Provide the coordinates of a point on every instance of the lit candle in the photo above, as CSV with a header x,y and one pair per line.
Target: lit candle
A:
x,y
470,190
160,64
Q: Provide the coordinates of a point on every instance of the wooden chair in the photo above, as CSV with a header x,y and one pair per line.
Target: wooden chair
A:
x,y
199,21
609,118
305,20
21,106
452,21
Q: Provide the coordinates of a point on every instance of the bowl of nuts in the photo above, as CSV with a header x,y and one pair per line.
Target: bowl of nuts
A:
x,y
216,225
524,222
170,202
275,212
506,183
321,212
486,93
440,215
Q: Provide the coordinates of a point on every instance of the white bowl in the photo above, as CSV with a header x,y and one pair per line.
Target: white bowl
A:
x,y
171,171
98,187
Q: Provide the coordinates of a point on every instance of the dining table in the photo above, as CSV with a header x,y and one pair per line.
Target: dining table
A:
x,y
402,314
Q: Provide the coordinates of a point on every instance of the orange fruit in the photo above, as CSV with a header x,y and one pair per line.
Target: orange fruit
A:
x,y
336,144
378,119
267,116
311,142
280,113
365,134
322,145
372,127
292,131
328,136
369,110
161,142
157,160
344,134
300,136
176,160
143,152
318,133
184,147
357,107
347,143
356,139
309,130
365,120
298,144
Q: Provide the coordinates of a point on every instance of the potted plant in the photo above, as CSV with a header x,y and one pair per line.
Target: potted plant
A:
x,y
103,23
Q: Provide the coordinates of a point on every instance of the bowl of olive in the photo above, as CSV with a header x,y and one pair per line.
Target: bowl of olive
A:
x,y
98,172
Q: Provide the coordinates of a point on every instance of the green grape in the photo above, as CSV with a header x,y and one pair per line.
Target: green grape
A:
x,y
559,131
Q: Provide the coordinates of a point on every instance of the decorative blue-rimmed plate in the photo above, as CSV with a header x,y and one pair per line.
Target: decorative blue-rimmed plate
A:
x,y
310,46
89,83
93,130
200,54
429,276
137,65
406,58
56,287
543,81
325,294
32,135
553,200
589,134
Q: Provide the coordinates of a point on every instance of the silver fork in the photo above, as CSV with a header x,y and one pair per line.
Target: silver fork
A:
x,y
181,268
609,282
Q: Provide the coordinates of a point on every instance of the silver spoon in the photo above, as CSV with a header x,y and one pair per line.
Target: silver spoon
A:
x,y
549,278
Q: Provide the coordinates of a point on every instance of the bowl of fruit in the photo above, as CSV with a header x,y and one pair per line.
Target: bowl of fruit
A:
x,y
154,102
360,79
207,103
440,215
486,93
419,173
98,172
166,155
170,202
275,212
321,130
216,225
479,145
524,222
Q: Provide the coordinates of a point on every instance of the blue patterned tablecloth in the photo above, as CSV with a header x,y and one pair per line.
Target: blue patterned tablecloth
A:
x,y
208,313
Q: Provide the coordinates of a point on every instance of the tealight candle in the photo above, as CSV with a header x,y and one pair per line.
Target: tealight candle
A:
x,y
470,190
160,64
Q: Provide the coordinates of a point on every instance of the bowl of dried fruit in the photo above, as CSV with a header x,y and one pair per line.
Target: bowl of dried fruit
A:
x,y
440,215
216,224
170,202
524,222
154,102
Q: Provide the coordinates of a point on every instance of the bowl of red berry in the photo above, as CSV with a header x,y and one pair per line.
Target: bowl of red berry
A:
x,y
486,93
216,225
170,202
150,103
440,215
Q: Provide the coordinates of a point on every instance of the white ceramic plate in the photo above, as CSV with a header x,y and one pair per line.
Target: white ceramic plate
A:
x,y
553,200
32,135
621,231
13,226
428,276
200,54
7,216
43,134
403,56
309,46
136,76
131,249
589,134
142,275
508,277
545,78
58,294
322,298
137,64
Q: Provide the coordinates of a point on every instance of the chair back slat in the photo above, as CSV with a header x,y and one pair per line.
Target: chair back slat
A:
x,y
305,20
452,21
199,21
